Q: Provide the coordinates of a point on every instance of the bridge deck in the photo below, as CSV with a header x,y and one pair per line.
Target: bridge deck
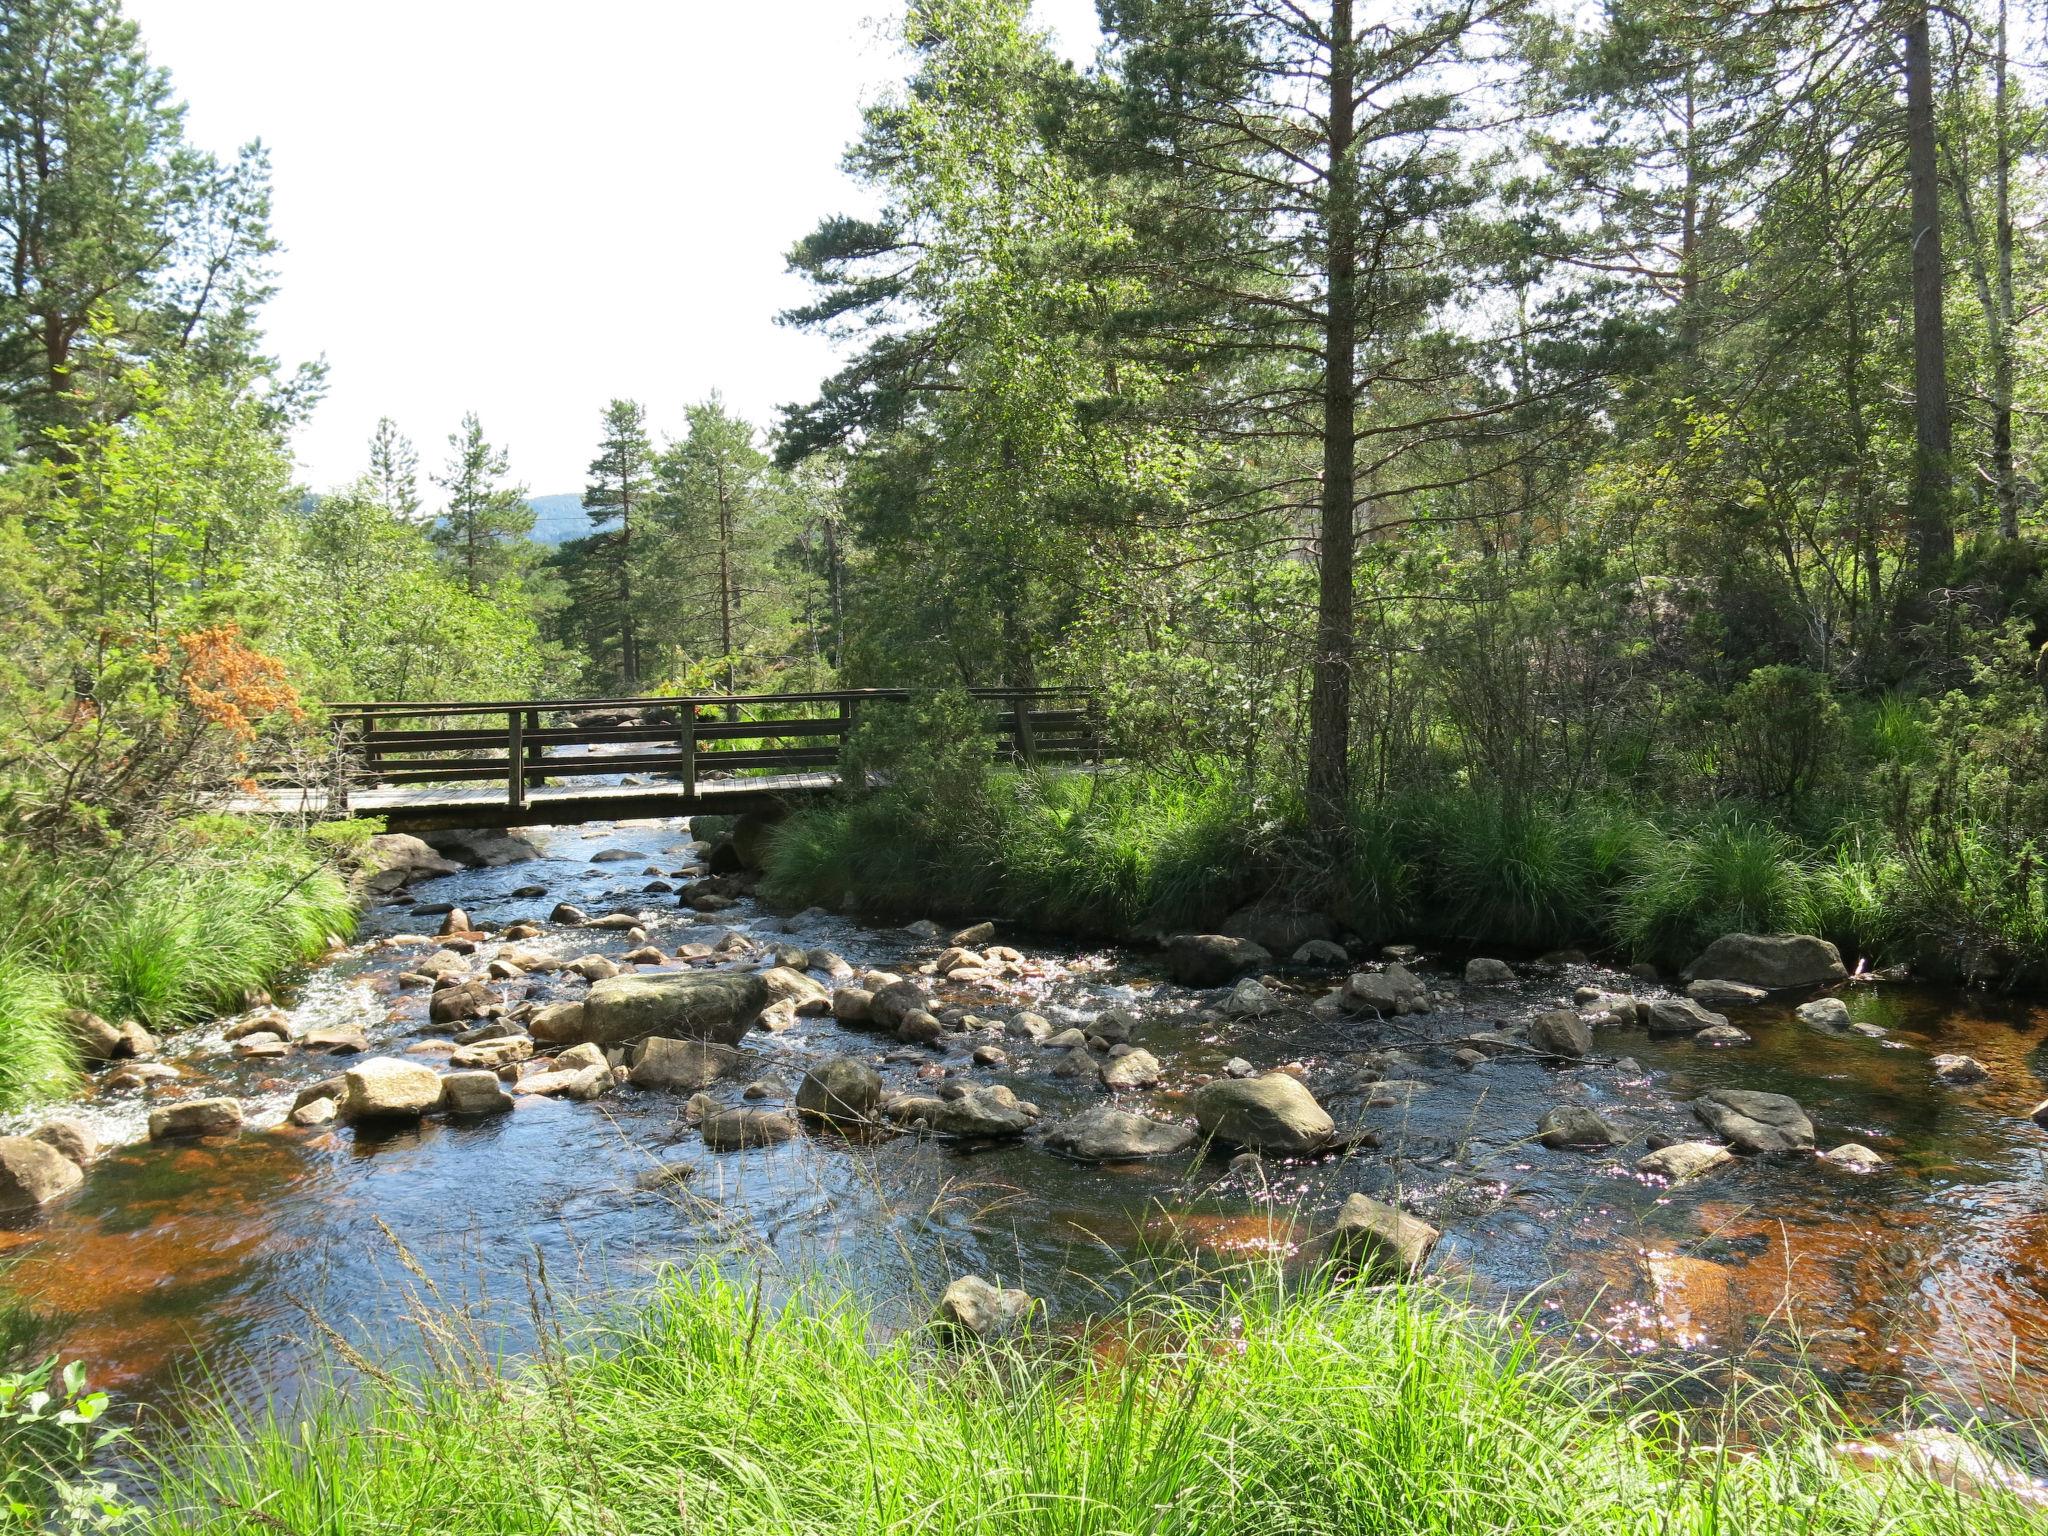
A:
x,y
442,807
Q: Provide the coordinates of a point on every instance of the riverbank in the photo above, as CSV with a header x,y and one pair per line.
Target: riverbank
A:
x,y
159,937
1134,855
1330,1409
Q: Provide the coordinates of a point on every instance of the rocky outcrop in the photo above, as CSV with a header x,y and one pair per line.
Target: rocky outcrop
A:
x,y
33,1173
1380,1241
1212,959
1106,1134
492,849
971,1306
719,1006
839,1091
389,1088
1776,962
1755,1122
1274,1113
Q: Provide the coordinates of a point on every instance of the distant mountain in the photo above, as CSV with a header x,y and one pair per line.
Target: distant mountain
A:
x,y
558,519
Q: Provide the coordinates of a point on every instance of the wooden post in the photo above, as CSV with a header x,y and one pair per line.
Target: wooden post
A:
x,y
337,774
689,745
535,751
515,759
373,759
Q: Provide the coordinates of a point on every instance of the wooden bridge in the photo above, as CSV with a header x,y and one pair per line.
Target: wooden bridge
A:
x,y
427,767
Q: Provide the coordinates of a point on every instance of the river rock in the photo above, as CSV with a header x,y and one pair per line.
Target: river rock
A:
x,y
389,1088
488,849
1394,990
489,1055
198,1117
314,1112
1775,962
1078,1066
457,921
719,1006
467,1000
555,1024
681,1066
1713,992
1755,1122
1684,1160
1251,999
1137,1068
1827,1013
893,1001
1574,1127
1723,1034
580,1079
1488,973
72,1138
393,860
1212,959
1029,1026
853,1005
839,1091
1273,1113
1381,1241
976,934
735,1129
920,1028
1105,1134
984,1112
568,915
1560,1032
1959,1071
33,1173
1680,1016
335,1040
972,1306
809,995
1114,1025
474,1093
96,1039
1853,1157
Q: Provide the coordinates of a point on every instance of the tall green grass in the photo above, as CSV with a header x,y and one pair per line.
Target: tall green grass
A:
x,y
167,937
1337,1410
1732,875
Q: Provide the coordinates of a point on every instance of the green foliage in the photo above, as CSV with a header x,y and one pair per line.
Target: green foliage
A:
x,y
52,1433
36,1056
1513,874
1265,1408
482,532
1733,874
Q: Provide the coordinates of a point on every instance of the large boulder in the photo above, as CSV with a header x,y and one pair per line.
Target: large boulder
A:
x,y
392,860
839,1091
982,1113
1750,1121
1773,961
681,1066
33,1173
1381,1241
1273,1113
1212,959
1106,1134
972,1306
719,1006
195,1117
1680,1016
486,849
389,1088
1560,1032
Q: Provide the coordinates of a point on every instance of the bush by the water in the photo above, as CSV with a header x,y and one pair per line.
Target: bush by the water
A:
x,y
166,937
1330,1410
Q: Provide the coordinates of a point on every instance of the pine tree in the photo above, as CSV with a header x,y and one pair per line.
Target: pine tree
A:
x,y
621,477
486,520
394,470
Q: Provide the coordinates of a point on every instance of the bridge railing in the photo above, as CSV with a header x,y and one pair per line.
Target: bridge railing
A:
x,y
524,742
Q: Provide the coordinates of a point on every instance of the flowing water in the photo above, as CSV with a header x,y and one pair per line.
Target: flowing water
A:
x,y
1926,1278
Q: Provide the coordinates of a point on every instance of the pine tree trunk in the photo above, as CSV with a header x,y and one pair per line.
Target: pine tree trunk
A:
x,y
1329,709
2005,477
1930,536
629,646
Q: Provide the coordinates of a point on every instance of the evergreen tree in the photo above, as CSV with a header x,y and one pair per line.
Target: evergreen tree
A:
x,y
621,477
394,470
486,522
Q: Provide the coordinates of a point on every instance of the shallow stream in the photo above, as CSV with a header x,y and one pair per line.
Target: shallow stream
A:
x,y
1928,1277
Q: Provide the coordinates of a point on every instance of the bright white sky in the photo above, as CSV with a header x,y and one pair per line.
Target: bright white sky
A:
x,y
525,210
